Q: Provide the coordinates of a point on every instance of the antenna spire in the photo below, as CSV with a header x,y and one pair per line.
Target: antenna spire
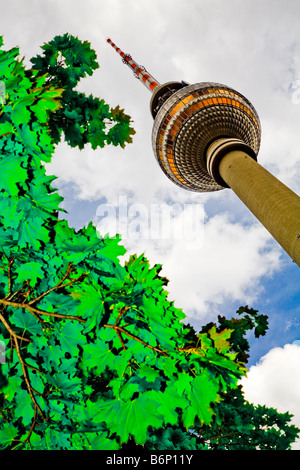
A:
x,y
139,71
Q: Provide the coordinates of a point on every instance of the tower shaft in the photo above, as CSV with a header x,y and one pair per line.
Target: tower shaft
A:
x,y
275,205
139,71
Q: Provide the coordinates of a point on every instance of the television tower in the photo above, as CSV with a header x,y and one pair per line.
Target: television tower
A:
x,y
206,137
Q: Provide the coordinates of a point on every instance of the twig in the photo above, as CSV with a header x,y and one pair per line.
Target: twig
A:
x,y
24,367
121,312
37,311
121,339
36,316
213,438
14,294
5,419
7,301
58,285
9,275
34,368
3,135
11,331
119,329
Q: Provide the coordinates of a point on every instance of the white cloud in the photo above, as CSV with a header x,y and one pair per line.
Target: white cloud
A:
x,y
227,266
275,382
208,264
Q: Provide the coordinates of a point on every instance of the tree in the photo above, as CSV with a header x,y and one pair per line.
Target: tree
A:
x,y
82,119
241,425
97,356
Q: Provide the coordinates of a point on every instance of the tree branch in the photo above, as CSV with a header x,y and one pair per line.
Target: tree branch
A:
x,y
58,285
119,330
7,133
11,260
15,338
121,339
11,331
36,311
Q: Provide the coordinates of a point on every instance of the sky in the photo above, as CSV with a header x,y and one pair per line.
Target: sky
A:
x,y
214,252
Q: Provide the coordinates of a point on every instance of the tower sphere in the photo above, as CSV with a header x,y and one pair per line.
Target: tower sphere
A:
x,y
188,119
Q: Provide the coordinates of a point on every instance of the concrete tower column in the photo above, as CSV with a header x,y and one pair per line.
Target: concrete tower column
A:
x,y
275,205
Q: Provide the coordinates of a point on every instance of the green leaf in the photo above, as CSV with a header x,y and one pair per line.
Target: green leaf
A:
x,y
203,392
64,383
11,388
71,337
32,233
130,418
93,441
95,357
26,321
98,356
148,373
8,432
5,128
12,175
89,306
24,407
20,113
55,439
168,402
41,197
96,135
48,100
120,133
31,271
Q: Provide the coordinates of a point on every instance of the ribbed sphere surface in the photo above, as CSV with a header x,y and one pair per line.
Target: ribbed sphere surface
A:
x,y
190,120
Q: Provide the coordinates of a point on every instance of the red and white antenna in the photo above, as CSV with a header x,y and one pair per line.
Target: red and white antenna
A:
x,y
139,71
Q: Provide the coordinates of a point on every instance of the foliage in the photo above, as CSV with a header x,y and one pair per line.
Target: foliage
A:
x,y
81,118
251,320
97,357
241,425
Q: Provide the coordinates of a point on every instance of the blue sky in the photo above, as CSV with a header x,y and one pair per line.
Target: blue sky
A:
x,y
252,46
